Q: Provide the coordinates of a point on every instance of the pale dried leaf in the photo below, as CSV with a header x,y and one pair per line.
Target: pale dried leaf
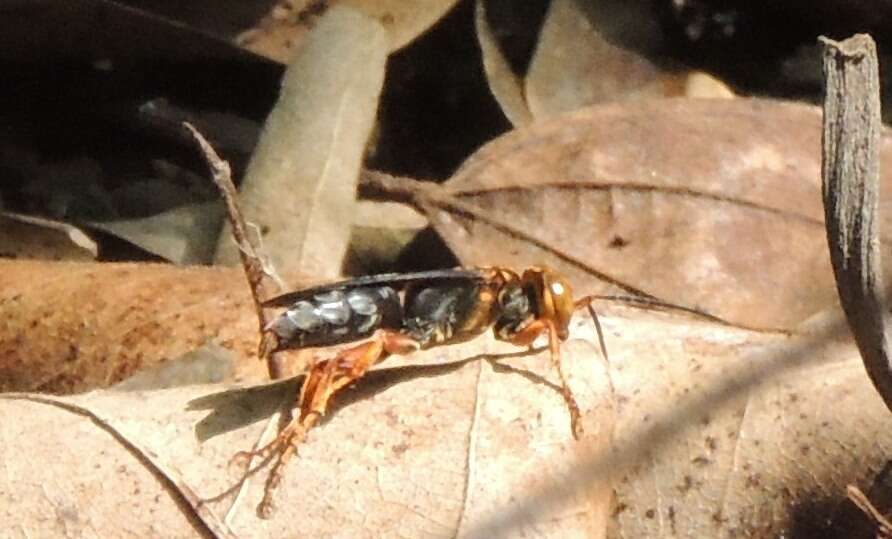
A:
x,y
780,428
285,27
300,184
404,20
26,236
703,85
78,473
504,84
713,204
184,235
410,452
444,445
588,52
280,32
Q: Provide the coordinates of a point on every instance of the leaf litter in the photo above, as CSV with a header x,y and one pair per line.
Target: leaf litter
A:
x,y
528,210
487,430
726,220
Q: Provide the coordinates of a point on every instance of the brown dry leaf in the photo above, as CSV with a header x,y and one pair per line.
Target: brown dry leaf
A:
x,y
411,452
25,236
300,185
590,52
68,327
745,443
711,204
504,84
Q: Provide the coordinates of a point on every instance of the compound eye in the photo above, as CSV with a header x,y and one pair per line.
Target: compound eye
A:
x,y
562,300
556,297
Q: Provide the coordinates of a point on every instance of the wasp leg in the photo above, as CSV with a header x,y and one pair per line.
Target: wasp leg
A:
x,y
526,337
324,380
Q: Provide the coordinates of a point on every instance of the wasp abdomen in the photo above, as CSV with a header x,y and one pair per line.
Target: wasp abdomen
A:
x,y
337,316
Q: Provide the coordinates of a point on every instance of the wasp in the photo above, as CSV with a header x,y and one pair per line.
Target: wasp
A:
x,y
398,313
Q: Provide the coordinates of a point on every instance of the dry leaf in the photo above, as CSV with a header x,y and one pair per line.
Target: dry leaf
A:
x,y
300,185
590,52
703,85
404,20
25,236
68,327
504,84
184,235
773,432
732,437
410,452
710,204
284,28
281,31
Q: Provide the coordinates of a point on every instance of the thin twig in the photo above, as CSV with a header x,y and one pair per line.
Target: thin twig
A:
x,y
850,172
884,527
251,261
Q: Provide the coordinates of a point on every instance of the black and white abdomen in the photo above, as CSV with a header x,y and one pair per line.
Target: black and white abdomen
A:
x,y
337,316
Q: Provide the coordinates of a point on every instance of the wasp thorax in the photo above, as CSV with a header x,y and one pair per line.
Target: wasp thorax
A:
x,y
514,303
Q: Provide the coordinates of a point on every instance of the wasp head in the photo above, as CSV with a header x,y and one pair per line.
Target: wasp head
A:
x,y
554,297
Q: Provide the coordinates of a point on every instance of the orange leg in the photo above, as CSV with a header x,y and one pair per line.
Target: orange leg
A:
x,y
526,337
322,382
